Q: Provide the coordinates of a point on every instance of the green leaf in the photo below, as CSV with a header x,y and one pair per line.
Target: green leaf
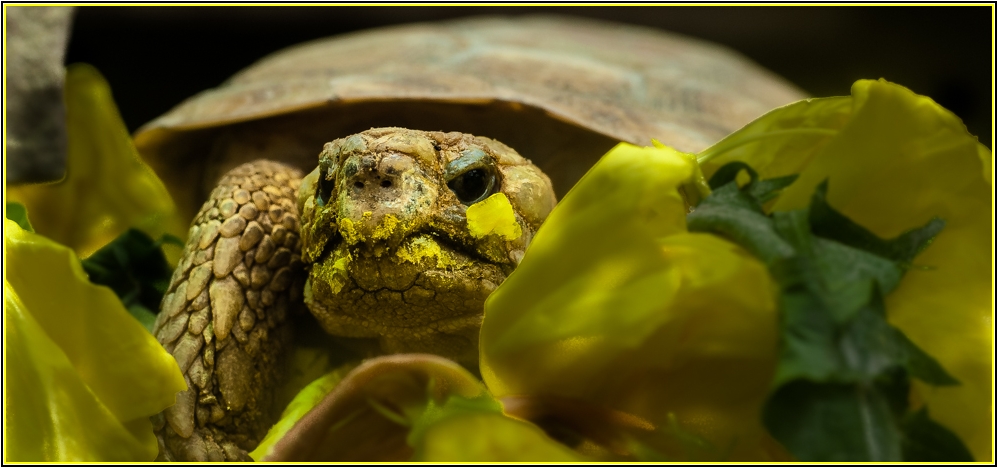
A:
x,y
833,422
927,441
843,377
895,386
729,173
923,366
828,222
737,216
808,350
135,268
760,190
767,189
19,214
145,316
849,274
899,160
870,346
170,239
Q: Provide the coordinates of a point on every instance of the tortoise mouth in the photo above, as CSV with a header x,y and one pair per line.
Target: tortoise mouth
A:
x,y
409,297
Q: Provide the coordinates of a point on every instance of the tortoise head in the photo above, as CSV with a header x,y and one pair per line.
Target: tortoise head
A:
x,y
407,232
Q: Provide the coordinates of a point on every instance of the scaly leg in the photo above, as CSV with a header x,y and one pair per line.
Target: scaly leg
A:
x,y
224,317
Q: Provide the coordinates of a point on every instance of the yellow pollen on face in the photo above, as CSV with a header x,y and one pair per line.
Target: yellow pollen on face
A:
x,y
333,271
425,247
385,228
350,234
494,215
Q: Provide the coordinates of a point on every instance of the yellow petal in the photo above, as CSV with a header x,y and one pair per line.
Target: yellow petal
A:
x,y
302,403
366,416
615,303
783,141
89,374
901,160
601,236
107,188
483,437
50,413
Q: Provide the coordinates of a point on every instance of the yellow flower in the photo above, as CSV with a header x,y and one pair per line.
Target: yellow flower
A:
x,y
411,406
893,161
616,304
107,188
82,376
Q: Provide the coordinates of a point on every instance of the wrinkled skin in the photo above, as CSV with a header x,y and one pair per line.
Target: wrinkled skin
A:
x,y
382,255
392,256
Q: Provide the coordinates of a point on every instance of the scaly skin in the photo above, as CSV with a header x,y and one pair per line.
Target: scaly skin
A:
x,y
385,256
224,315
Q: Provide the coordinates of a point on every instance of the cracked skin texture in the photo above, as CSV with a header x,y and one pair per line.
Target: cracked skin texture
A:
x,y
387,241
375,242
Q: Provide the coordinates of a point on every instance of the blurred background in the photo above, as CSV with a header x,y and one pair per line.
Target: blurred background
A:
x,y
154,57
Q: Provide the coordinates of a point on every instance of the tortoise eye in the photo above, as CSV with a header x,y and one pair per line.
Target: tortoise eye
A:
x,y
324,191
473,186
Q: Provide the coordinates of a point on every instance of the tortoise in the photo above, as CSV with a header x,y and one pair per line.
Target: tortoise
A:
x,y
378,238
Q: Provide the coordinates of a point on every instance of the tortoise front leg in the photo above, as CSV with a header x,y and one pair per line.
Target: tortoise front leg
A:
x,y
224,317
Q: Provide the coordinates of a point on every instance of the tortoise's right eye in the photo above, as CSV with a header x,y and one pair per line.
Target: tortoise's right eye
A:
x,y
473,186
324,189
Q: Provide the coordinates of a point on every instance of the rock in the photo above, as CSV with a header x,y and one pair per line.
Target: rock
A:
x,y
35,45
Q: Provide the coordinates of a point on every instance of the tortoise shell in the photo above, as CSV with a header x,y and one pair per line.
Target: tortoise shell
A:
x,y
559,90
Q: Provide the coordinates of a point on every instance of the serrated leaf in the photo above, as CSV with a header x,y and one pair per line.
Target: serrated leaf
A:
x,y
835,334
923,366
764,190
807,349
729,173
833,422
902,160
925,440
735,215
19,214
895,386
870,346
844,267
761,190
827,222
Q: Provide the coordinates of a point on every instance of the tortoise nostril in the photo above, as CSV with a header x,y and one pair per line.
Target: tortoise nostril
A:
x,y
358,184
386,183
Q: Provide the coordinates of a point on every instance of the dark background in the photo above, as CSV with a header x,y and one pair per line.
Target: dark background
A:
x,y
154,57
